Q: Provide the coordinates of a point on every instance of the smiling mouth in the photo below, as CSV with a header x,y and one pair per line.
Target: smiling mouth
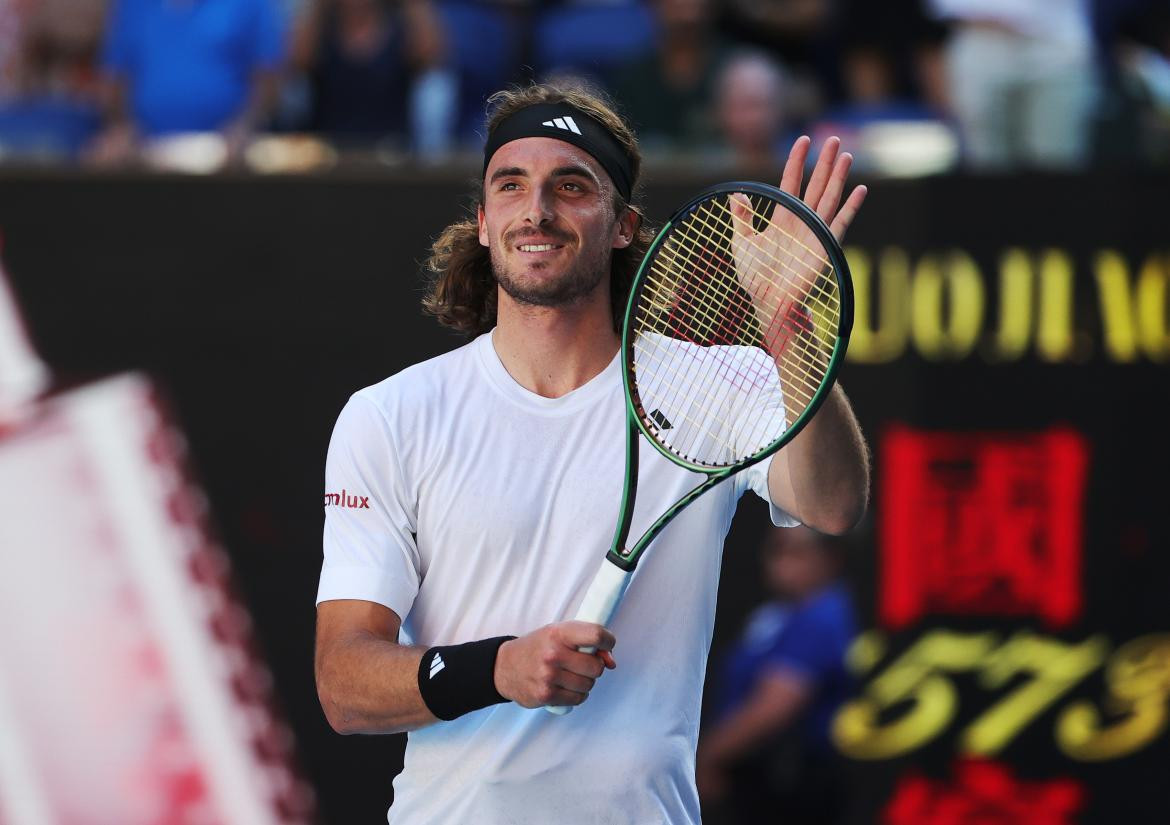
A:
x,y
538,247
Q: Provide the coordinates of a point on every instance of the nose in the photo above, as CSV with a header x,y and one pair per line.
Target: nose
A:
x,y
539,209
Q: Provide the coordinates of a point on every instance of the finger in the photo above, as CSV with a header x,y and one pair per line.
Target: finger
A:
x,y
848,212
741,215
583,664
827,206
562,697
607,659
585,634
794,167
822,171
573,682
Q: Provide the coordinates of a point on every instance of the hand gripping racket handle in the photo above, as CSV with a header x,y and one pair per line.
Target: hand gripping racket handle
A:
x,y
598,607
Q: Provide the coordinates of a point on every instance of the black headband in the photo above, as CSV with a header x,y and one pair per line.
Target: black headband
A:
x,y
568,123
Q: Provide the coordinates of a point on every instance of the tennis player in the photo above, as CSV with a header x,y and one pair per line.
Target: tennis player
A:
x,y
470,499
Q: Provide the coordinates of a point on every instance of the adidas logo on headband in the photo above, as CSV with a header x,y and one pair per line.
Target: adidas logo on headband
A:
x,y
565,123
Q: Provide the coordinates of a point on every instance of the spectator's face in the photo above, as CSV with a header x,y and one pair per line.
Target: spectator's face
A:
x,y
795,566
680,14
749,107
548,219
355,6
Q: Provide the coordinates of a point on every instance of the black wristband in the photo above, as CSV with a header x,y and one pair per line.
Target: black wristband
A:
x,y
457,679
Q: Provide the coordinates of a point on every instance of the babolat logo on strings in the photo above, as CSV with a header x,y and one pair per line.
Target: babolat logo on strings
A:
x,y
343,499
565,123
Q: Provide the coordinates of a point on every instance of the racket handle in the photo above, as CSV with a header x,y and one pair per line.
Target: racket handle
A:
x,y
604,594
600,603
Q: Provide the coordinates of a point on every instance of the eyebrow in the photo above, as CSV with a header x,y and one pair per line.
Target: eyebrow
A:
x,y
569,170
575,170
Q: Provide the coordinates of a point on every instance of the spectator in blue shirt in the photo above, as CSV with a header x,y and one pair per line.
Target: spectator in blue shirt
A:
x,y
767,756
175,66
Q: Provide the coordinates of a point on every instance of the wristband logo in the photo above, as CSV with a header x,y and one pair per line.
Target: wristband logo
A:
x,y
436,665
342,499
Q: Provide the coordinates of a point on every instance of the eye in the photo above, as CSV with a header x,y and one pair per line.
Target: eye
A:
x,y
509,186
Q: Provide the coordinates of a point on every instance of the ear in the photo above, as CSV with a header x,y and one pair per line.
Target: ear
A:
x,y
483,233
627,228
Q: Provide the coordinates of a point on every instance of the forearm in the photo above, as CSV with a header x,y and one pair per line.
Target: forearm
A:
x,y
769,710
370,685
823,477
261,100
113,99
736,736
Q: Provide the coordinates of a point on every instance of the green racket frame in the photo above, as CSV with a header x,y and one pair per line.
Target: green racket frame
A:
x,y
627,558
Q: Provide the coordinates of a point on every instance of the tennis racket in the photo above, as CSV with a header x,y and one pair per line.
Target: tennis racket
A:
x,y
738,319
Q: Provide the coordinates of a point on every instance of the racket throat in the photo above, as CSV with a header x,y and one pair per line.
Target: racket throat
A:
x,y
621,555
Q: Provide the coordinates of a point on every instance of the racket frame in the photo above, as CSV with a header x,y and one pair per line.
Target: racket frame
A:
x,y
627,558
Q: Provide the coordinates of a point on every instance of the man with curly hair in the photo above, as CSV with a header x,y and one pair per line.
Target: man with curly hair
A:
x,y
471,497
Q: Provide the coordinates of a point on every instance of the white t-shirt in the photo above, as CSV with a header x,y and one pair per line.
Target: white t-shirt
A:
x,y
473,508
1055,21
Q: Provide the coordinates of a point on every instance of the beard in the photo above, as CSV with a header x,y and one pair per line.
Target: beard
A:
x,y
581,278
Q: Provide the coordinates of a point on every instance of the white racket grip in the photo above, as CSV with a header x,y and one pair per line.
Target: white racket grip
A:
x,y
603,596
600,603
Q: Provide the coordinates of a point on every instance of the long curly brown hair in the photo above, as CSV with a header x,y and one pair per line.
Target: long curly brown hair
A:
x,y
462,291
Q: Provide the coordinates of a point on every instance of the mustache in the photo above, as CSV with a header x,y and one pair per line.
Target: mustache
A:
x,y
519,235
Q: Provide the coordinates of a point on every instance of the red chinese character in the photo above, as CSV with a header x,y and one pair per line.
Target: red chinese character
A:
x,y
981,523
983,793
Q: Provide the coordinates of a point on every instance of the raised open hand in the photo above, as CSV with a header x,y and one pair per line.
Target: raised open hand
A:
x,y
781,263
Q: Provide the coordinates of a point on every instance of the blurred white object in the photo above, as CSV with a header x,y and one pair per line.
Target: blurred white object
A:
x,y
22,374
130,693
281,154
1060,21
196,153
907,148
1022,81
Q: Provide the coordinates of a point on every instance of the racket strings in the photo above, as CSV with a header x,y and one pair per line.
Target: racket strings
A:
x,y
827,299
713,309
789,305
713,313
726,227
696,326
699,428
824,297
800,385
726,368
788,324
725,230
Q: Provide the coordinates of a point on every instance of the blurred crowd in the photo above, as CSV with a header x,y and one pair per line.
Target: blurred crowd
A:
x,y
914,86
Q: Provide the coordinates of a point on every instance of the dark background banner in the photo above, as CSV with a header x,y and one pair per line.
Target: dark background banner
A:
x,y
1009,369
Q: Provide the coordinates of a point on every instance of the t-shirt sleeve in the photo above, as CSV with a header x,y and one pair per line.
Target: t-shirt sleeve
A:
x,y
765,399
118,46
268,35
370,514
809,645
755,478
